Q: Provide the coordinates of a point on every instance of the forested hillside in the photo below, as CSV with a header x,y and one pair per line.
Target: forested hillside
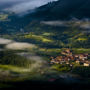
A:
x,y
64,9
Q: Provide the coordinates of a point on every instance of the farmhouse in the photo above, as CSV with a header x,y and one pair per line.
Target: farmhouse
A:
x,y
83,57
87,63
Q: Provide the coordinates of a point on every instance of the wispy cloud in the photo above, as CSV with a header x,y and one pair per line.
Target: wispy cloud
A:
x,y
22,6
55,23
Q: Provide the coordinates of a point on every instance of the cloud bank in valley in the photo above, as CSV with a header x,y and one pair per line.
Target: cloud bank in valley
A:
x,y
5,41
38,60
22,6
85,26
55,23
13,45
19,46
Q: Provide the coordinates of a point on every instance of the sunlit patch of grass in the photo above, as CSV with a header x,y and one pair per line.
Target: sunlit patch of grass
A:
x,y
14,68
46,40
81,50
54,50
62,68
82,39
9,73
47,34
51,50
3,17
38,38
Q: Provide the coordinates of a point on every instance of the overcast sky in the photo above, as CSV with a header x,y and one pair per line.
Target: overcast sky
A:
x,y
21,6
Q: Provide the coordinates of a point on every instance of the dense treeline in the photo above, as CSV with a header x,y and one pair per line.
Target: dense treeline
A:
x,y
9,58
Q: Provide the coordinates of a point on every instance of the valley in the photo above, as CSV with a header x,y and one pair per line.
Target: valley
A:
x,y
46,45
31,47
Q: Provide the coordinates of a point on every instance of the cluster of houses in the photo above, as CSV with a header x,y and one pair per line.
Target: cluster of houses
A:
x,y
68,57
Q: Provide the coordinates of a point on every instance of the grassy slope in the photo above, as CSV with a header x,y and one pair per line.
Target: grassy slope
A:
x,y
71,36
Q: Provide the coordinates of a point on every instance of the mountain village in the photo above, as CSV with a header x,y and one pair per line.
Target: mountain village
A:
x,y
68,57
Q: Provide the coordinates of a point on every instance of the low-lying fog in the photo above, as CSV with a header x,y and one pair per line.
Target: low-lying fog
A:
x,y
13,45
38,60
83,24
